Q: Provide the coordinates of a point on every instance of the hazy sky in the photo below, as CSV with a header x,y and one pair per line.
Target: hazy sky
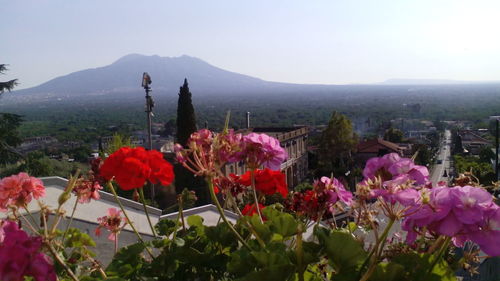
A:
x,y
330,42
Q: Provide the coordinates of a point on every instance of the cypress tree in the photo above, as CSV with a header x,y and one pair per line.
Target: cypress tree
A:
x,y
186,119
186,125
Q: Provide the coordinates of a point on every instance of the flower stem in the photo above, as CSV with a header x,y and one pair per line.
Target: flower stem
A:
x,y
252,176
128,219
141,195
116,243
440,254
300,255
70,220
221,212
380,243
61,262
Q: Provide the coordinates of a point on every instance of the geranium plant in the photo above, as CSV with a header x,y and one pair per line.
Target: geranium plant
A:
x,y
396,224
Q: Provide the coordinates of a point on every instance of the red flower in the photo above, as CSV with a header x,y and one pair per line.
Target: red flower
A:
x,y
267,181
249,210
161,171
131,167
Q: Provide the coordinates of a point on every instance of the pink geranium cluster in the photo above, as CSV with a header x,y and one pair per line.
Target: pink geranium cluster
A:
x,y
464,213
20,255
87,189
333,190
207,151
19,190
392,165
113,222
395,179
263,150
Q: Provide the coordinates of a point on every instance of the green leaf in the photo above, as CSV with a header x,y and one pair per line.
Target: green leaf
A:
x,y
284,224
417,267
195,220
241,262
273,273
166,227
77,239
388,272
352,226
179,242
127,262
344,252
262,229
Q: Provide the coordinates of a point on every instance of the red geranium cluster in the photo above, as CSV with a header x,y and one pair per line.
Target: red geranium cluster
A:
x,y
132,167
267,181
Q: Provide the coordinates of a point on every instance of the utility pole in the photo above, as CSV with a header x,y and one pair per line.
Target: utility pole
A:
x,y
146,81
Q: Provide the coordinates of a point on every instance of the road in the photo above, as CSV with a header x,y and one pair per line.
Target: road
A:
x,y
443,157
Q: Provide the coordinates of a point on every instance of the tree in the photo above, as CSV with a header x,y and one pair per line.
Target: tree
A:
x,y
186,119
424,154
9,136
337,145
393,135
186,125
9,85
169,128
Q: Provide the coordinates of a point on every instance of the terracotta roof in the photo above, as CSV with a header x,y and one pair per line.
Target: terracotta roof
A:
x,y
373,146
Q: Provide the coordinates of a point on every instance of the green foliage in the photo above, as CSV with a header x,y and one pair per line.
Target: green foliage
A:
x,y
393,135
9,137
38,165
118,141
483,170
8,85
345,253
186,125
337,145
423,152
186,119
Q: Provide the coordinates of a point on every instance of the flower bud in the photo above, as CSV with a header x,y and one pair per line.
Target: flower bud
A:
x,y
64,197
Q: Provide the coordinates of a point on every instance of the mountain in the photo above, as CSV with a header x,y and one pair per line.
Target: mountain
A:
x,y
167,73
431,82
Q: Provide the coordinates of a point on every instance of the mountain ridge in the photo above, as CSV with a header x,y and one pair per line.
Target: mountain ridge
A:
x,y
124,76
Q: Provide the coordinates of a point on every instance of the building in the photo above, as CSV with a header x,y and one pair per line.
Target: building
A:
x,y
294,141
472,142
375,148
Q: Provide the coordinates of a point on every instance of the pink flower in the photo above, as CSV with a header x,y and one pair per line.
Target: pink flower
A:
x,y
113,222
392,165
228,148
86,190
261,149
20,256
334,190
464,213
19,190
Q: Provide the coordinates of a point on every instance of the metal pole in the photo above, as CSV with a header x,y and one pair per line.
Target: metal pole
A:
x,y
146,81
496,147
149,110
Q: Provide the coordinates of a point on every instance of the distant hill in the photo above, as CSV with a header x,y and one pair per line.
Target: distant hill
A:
x,y
122,79
168,73
431,82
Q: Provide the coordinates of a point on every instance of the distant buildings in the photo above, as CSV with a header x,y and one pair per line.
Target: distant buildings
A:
x,y
375,148
294,141
472,141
